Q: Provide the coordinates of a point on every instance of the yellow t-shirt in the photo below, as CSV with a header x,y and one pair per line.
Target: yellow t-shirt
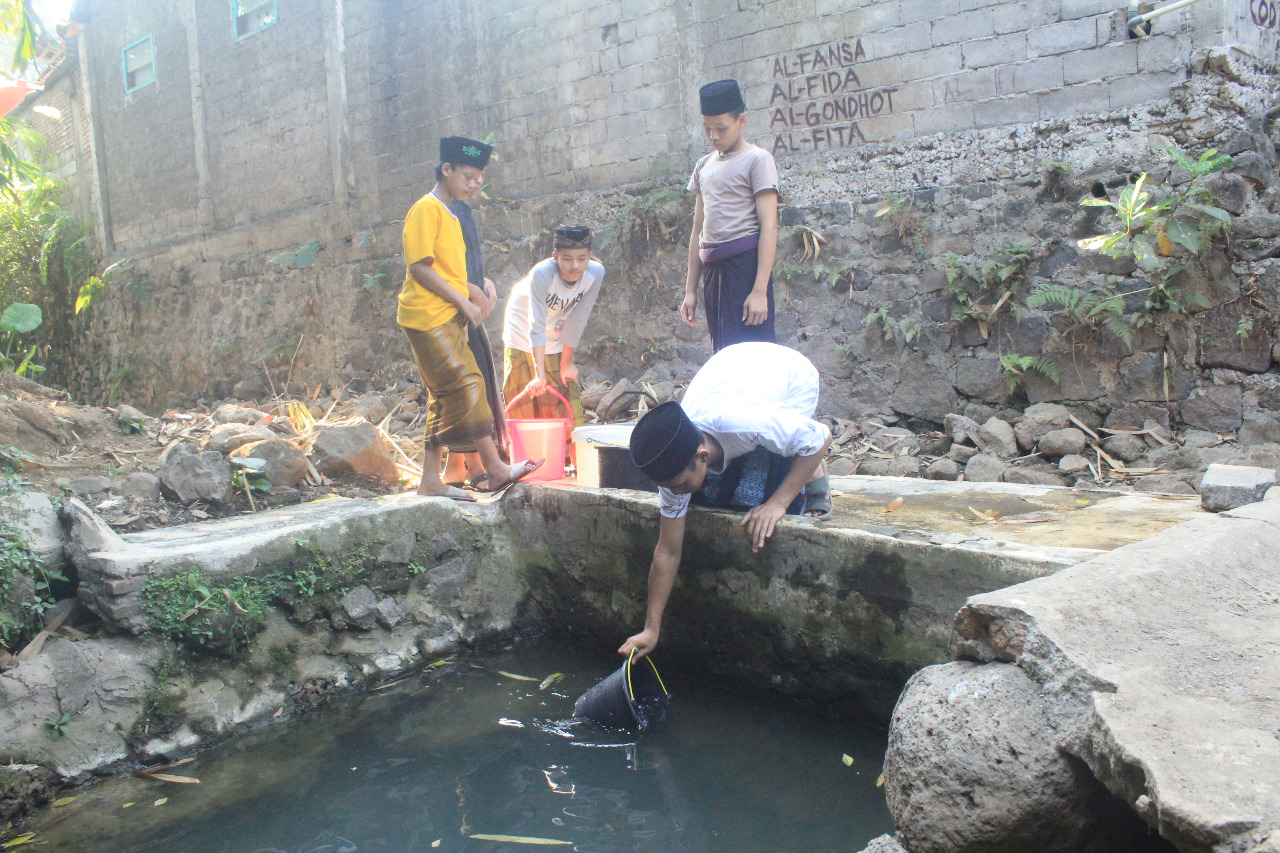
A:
x,y
431,233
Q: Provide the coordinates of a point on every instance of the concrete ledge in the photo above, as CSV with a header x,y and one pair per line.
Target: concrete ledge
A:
x,y
1161,664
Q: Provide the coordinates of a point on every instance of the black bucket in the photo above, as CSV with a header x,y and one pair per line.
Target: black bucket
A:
x,y
633,698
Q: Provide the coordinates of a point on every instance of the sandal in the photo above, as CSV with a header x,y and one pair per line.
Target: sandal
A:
x,y
453,493
817,498
476,483
519,470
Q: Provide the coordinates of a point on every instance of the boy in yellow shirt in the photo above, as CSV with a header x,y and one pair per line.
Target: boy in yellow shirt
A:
x,y
436,305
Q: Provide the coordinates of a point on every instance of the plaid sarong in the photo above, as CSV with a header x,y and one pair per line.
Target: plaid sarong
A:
x,y
518,372
747,482
458,411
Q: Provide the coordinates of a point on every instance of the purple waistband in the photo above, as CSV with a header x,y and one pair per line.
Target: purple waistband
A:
x,y
724,251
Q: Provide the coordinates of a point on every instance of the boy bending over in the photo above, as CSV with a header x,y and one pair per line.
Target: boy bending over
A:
x,y
742,436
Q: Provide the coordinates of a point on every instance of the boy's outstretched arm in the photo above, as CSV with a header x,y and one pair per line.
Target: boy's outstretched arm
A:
x,y
761,520
756,309
689,308
662,577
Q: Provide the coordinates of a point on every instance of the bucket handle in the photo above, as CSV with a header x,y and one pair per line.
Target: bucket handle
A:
x,y
525,393
631,693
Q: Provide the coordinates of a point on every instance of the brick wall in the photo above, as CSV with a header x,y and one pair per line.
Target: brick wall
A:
x,y
1255,26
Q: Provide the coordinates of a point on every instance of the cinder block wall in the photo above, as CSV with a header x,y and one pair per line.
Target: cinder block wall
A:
x,y
336,108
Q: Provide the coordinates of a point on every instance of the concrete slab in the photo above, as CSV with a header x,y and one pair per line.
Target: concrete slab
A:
x,y
1162,663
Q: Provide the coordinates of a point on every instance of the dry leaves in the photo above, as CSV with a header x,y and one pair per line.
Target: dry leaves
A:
x,y
894,504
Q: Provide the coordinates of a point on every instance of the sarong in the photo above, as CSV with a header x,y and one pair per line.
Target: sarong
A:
x,y
478,342
747,482
458,411
728,277
518,372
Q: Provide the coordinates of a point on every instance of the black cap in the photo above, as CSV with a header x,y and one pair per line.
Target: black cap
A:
x,y
664,442
720,97
461,151
573,237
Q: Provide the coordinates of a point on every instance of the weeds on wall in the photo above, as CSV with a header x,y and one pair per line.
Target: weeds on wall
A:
x,y
1017,367
1092,311
983,291
1159,226
910,215
21,606
202,616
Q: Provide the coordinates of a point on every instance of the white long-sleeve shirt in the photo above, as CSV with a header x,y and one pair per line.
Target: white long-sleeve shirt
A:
x,y
752,395
545,311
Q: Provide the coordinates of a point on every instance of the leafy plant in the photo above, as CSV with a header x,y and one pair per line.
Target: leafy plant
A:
x,y
1017,367
1096,309
190,610
908,327
1243,328
19,319
908,212
56,727
1153,222
999,271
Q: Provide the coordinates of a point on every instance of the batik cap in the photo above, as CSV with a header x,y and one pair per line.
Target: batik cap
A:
x,y
573,237
720,97
664,442
462,151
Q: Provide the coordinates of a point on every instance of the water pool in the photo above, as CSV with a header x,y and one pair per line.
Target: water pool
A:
x,y
464,750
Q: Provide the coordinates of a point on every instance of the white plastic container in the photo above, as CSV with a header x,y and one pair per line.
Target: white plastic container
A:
x,y
603,453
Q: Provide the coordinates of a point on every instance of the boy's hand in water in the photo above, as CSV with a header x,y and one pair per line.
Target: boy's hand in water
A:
x,y
644,642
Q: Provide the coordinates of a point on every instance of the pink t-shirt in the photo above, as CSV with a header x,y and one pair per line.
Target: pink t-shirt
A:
x,y
729,185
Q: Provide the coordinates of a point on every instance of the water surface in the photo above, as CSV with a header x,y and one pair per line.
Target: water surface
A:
x,y
463,750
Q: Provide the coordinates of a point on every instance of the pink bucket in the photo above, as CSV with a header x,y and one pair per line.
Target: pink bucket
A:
x,y
540,438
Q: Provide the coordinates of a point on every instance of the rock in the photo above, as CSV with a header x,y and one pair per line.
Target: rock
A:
x,y
45,537
285,465
389,613
996,436
1200,438
926,392
225,438
592,394
962,453
399,552
898,466
1133,417
445,581
1164,484
942,469
229,413
618,401
1259,428
960,429
972,766
86,533
371,407
140,485
895,439
1040,419
360,606
984,468
191,476
1217,408
1124,447
1229,486
355,449
1063,442
883,844
1073,464
1221,346
89,486
1034,475
248,389
841,466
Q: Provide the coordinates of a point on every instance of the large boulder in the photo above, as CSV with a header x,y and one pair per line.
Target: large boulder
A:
x,y
996,436
355,449
191,476
1062,442
972,766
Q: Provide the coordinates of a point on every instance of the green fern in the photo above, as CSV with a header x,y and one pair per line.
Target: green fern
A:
x,y
1095,309
1016,367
